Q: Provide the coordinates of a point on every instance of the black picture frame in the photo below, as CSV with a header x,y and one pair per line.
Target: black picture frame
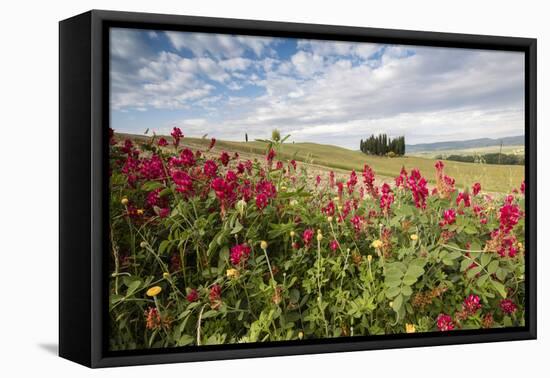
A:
x,y
83,208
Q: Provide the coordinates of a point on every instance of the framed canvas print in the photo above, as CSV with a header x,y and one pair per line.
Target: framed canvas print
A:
x,y
234,188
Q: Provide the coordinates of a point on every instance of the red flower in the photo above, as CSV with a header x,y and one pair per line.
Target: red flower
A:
x,y
193,295
215,296
509,216
164,212
357,222
386,199
401,180
476,188
334,245
352,182
507,306
152,169
308,236
449,217
210,168
184,183
317,180
329,209
331,179
261,201
224,158
212,143
177,135
522,187
239,254
445,322
293,163
471,304
417,184
153,197
368,180
187,158
162,142
270,156
463,197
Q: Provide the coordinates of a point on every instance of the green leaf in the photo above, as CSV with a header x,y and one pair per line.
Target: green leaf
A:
x,y
132,287
397,302
501,274
185,340
238,227
485,259
409,280
500,288
472,272
470,230
406,291
414,271
151,185
482,279
465,264
393,283
392,292
493,266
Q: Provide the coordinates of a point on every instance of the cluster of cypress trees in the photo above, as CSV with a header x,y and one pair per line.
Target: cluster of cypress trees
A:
x,y
381,145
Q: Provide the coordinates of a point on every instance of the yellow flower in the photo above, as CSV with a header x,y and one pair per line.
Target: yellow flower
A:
x,y
154,291
232,273
377,244
124,201
414,237
139,211
410,328
165,275
263,244
283,188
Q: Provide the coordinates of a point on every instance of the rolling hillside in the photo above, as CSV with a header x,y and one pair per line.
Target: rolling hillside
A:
x,y
466,144
494,178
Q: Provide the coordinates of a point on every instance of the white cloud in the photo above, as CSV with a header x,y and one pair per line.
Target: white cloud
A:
x,y
218,45
329,92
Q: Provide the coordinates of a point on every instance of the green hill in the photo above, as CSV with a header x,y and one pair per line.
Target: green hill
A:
x,y
493,178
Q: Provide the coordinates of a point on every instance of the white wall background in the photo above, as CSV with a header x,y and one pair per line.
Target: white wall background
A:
x,y
29,189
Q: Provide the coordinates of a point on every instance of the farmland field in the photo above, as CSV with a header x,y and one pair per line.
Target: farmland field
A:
x,y
511,150
493,178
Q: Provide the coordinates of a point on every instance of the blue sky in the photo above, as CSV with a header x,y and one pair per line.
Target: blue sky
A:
x,y
317,91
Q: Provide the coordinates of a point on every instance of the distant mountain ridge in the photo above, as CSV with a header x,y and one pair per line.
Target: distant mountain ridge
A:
x,y
471,143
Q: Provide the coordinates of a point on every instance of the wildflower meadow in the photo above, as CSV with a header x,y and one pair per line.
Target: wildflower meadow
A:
x,y
208,247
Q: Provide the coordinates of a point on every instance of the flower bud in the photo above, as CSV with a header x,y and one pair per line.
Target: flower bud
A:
x,y
124,201
369,258
143,244
241,206
263,244
319,236
292,234
329,219
414,237
165,275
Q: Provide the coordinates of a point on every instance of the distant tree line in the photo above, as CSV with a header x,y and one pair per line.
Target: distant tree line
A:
x,y
492,158
382,145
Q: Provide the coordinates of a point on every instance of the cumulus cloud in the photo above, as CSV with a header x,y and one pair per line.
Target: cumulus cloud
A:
x,y
321,91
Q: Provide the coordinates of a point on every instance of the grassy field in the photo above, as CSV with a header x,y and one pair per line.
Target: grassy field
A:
x,y
493,178
511,150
